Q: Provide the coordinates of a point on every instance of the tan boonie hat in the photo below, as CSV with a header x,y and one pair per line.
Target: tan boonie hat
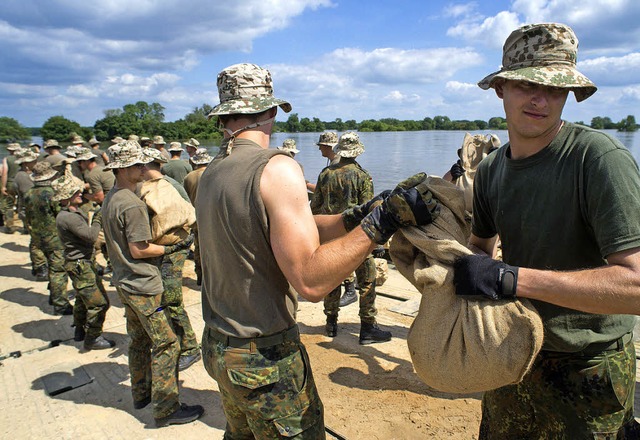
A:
x,y
73,150
544,54
42,171
85,154
51,143
328,138
192,143
154,154
349,145
27,156
77,140
125,154
246,89
65,186
175,146
133,137
13,146
201,157
93,141
289,145
158,140
117,140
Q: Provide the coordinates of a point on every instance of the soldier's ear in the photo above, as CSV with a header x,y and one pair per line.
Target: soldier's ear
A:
x,y
498,86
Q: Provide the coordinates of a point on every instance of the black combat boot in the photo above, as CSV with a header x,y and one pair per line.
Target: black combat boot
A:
x,y
349,296
331,327
99,343
370,333
79,333
184,414
41,273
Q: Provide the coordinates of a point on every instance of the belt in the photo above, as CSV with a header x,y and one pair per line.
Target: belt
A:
x,y
615,345
291,334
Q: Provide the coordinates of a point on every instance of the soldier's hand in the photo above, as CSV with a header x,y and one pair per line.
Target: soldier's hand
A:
x,y
97,217
414,206
184,244
482,277
353,216
456,170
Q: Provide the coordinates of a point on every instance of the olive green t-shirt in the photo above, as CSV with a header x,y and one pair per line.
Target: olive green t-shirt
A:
x,y
565,208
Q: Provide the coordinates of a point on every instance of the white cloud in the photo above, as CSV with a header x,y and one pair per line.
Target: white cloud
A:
x,y
612,70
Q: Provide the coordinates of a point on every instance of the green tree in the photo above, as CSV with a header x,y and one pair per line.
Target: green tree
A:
x,y
497,123
293,124
11,130
628,124
60,128
442,123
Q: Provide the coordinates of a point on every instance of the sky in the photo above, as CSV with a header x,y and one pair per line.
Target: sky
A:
x,y
367,59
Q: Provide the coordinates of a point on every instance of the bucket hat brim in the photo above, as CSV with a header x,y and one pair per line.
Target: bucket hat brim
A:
x,y
249,106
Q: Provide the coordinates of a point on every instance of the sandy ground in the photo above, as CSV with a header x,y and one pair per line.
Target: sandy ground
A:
x,y
369,392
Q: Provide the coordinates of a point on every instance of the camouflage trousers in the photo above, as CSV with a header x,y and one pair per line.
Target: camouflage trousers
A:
x,y
366,276
92,302
567,396
58,279
172,301
153,352
7,206
37,257
266,393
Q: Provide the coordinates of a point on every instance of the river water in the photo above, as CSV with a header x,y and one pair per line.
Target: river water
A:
x,y
392,156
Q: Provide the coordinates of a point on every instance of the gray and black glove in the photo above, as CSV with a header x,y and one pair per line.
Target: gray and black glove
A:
x,y
184,244
97,217
456,170
482,277
404,207
353,216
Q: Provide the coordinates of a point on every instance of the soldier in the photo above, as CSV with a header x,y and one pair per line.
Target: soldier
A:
x,y
340,187
199,160
53,154
159,143
258,238
158,187
101,156
192,145
23,183
9,196
565,199
78,239
327,142
40,214
176,168
153,350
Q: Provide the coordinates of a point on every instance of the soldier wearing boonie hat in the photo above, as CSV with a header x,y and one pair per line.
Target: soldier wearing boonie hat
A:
x,y
7,192
176,168
54,155
326,143
78,238
138,281
40,215
565,199
289,145
191,145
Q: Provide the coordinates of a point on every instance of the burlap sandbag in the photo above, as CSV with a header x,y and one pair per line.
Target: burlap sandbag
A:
x,y
474,148
459,345
382,271
171,217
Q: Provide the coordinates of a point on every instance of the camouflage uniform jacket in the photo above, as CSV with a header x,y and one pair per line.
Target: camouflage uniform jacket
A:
x,y
41,211
341,186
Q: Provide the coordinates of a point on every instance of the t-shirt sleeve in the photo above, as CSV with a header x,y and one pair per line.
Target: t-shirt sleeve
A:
x,y
482,224
612,200
95,186
136,220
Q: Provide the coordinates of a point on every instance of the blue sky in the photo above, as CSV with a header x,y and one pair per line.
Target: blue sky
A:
x,y
406,59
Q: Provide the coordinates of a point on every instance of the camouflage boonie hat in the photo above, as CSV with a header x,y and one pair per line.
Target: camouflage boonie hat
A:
x,y
246,89
154,155
27,155
158,140
544,54
65,186
51,143
175,146
133,137
42,171
349,145
289,145
13,146
77,140
85,154
126,154
93,141
328,138
192,143
117,140
201,157
73,150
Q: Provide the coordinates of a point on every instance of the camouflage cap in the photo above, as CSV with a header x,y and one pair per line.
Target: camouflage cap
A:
x,y
85,154
126,154
42,171
158,140
192,143
246,89
13,146
201,157
65,186
289,145
154,154
328,138
175,146
27,155
51,143
349,145
543,54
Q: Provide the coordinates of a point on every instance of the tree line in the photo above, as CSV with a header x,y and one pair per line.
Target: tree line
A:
x,y
146,119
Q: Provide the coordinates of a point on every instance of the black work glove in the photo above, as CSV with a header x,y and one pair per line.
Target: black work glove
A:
x,y
404,207
482,277
456,170
353,216
97,217
184,244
